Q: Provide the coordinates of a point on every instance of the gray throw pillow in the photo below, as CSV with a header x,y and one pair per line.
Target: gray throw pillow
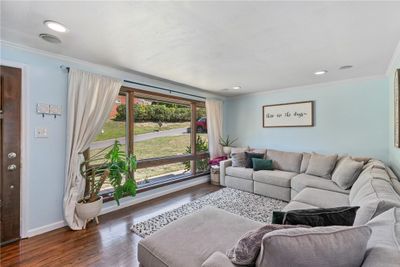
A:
x,y
347,172
321,165
239,159
331,246
247,248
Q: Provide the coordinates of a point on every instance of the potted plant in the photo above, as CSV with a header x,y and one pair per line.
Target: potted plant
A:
x,y
227,144
113,166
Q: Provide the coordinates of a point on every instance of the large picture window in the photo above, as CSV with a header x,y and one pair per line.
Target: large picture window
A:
x,y
158,129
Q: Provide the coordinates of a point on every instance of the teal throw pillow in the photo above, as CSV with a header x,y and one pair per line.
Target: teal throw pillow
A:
x,y
262,164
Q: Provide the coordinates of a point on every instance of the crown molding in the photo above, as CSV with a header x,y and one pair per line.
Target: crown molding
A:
x,y
313,86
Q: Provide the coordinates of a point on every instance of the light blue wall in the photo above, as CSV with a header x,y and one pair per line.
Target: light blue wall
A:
x,y
350,117
394,153
47,83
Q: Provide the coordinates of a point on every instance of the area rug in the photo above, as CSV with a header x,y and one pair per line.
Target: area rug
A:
x,y
245,204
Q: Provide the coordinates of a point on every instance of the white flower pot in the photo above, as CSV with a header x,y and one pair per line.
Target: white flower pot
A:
x,y
227,150
87,211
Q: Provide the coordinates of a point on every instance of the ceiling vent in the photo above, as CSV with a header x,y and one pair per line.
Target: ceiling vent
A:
x,y
50,38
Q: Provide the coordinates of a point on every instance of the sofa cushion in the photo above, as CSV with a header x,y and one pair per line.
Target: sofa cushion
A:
x,y
247,248
395,181
218,259
304,162
238,159
250,157
301,181
321,165
262,164
374,198
383,248
364,178
285,161
189,241
316,246
295,205
275,177
320,217
346,172
322,198
240,172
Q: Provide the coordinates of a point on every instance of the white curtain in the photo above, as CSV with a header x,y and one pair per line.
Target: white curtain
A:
x,y
214,110
90,100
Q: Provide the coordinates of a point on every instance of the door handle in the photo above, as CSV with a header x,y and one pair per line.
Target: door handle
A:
x,y
12,167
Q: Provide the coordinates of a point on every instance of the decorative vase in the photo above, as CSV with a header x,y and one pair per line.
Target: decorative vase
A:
x,y
227,150
88,211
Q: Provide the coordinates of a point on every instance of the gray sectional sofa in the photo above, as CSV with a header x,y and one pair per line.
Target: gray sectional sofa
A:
x,y
202,238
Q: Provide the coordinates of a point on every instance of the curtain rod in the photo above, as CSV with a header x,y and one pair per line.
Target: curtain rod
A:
x,y
148,85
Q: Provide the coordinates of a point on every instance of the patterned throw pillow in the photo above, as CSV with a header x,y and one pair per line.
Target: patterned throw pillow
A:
x,y
239,159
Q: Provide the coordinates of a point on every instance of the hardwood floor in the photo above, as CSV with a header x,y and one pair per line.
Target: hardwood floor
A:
x,y
111,243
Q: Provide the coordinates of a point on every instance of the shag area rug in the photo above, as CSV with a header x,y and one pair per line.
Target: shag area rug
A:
x,y
255,207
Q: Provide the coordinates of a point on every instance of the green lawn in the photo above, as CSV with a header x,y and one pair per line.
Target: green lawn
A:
x,y
114,129
159,147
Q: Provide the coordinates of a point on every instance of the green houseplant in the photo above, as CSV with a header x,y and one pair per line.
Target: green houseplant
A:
x,y
112,165
201,164
226,144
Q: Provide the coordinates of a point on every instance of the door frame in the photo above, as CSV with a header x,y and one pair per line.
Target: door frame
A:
x,y
25,134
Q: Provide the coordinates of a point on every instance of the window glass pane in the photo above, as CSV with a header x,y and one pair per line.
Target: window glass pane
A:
x,y
201,139
113,129
162,173
161,129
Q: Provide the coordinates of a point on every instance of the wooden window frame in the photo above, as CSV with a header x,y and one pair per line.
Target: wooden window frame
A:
x,y
131,94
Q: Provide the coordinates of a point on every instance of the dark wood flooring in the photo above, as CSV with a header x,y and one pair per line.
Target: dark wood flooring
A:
x,y
111,243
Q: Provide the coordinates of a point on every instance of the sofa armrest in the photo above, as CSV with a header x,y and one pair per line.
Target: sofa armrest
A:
x,y
218,259
222,170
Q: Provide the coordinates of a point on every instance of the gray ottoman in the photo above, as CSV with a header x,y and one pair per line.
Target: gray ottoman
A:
x,y
190,240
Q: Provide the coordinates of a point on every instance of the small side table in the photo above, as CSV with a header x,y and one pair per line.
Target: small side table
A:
x,y
215,175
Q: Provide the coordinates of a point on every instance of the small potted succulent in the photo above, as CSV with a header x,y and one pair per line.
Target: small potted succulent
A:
x,y
226,144
113,166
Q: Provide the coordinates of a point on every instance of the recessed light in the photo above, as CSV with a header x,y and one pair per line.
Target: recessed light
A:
x,y
55,26
50,38
320,72
345,67
237,87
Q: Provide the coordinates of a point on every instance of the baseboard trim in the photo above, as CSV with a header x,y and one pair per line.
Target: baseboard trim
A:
x,y
45,228
126,202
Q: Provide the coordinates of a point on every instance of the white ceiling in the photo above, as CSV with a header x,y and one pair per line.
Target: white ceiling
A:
x,y
216,45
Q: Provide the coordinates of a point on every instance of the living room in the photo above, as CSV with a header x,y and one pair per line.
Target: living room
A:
x,y
130,126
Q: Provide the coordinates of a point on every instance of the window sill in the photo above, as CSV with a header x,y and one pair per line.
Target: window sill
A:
x,y
107,194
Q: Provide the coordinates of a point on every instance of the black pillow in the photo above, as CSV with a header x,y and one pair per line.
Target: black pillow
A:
x,y
249,158
317,217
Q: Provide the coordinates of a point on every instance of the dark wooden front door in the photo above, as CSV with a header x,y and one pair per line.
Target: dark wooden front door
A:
x,y
10,147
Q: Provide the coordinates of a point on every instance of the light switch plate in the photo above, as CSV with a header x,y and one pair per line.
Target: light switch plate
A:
x,y
41,133
42,108
55,110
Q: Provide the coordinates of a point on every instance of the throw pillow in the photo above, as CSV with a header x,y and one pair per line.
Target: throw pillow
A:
x,y
249,158
247,248
346,172
318,246
321,217
304,162
321,165
238,159
262,164
277,217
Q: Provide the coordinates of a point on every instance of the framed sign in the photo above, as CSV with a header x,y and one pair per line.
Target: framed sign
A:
x,y
397,109
298,114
